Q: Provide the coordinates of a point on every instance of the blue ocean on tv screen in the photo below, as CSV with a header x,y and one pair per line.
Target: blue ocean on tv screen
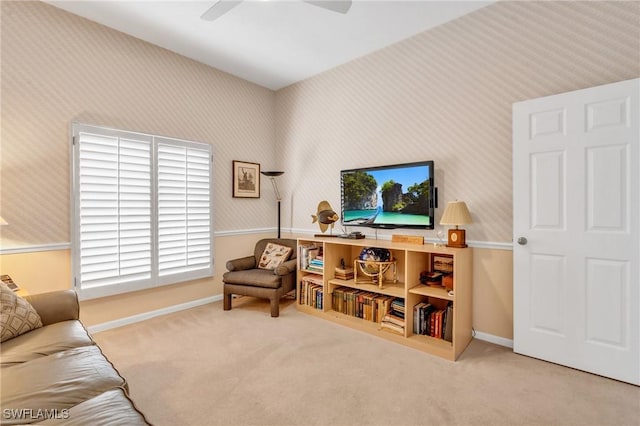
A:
x,y
374,213
384,218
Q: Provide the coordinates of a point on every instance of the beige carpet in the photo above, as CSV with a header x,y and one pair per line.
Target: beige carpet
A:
x,y
205,366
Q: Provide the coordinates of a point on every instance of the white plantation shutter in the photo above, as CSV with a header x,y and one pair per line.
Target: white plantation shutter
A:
x,y
184,209
142,211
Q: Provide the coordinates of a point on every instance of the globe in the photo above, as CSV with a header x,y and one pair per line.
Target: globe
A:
x,y
370,256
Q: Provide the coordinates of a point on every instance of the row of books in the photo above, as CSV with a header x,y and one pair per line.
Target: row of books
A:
x,y
306,253
361,304
394,320
430,321
316,263
311,291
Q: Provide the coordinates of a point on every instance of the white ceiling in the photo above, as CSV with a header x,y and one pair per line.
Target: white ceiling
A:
x,y
271,43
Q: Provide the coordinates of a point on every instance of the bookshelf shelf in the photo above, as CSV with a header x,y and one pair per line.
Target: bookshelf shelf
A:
x,y
425,290
428,340
389,288
367,307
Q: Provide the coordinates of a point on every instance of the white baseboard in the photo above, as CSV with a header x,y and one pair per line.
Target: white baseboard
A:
x,y
148,315
494,339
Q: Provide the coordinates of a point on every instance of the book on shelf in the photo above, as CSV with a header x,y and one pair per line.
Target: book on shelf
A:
x,y
359,303
432,324
392,327
431,321
393,323
311,290
448,323
314,268
314,252
384,306
438,321
314,279
397,307
390,317
344,273
418,312
393,320
422,318
343,277
314,296
303,254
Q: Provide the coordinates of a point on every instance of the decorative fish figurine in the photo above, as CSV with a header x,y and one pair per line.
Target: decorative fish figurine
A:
x,y
325,216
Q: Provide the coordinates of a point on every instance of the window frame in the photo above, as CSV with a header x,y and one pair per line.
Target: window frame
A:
x,y
155,279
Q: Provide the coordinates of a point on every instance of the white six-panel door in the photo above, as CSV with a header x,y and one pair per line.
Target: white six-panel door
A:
x,y
576,193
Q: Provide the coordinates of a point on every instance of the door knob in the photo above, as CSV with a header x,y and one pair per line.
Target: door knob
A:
x,y
522,241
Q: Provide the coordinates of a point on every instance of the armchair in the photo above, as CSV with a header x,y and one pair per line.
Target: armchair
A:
x,y
245,278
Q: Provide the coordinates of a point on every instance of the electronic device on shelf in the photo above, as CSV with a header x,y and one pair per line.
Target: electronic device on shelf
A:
x,y
389,197
356,235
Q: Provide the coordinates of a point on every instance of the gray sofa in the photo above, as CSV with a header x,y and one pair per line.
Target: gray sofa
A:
x,y
56,374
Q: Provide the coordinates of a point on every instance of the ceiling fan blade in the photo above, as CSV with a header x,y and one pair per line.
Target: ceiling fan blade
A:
x,y
219,8
340,6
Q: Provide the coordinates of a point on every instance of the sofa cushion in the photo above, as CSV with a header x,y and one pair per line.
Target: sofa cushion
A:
x,y
17,316
44,341
253,277
109,408
273,255
59,381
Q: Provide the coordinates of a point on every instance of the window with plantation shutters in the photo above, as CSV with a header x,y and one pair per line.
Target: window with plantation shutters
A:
x,y
183,209
142,210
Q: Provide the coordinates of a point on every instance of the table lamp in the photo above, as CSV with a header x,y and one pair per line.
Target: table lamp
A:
x,y
272,175
456,214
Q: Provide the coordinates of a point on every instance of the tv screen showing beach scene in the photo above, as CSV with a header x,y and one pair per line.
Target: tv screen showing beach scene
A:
x,y
394,196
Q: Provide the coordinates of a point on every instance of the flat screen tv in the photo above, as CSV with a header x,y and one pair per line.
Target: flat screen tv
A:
x,y
393,196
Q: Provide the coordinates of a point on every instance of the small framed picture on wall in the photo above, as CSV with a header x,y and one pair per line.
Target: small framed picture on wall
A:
x,y
246,179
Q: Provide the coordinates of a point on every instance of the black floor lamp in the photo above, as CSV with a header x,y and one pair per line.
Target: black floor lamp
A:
x,y
272,176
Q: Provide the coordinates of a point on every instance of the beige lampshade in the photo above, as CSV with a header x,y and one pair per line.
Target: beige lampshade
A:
x,y
2,221
456,213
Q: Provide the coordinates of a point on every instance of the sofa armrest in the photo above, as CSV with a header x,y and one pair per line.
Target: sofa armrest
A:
x,y
56,306
286,267
241,264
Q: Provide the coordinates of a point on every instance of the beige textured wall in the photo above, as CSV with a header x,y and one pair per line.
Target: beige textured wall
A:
x,y
57,67
446,95
39,272
493,292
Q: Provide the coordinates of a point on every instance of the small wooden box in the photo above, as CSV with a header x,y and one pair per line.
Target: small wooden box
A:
x,y
411,239
447,281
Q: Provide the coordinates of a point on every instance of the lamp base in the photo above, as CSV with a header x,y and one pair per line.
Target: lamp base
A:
x,y
457,238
